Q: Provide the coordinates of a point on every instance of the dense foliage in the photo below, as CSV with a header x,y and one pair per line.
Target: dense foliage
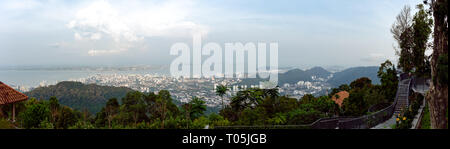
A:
x,y
265,107
47,114
412,34
413,37
389,80
79,96
250,107
363,95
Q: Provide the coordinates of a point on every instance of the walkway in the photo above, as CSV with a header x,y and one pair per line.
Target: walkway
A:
x,y
402,102
386,125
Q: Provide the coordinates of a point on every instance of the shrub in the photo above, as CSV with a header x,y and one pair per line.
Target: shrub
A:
x,y
425,123
302,116
217,120
4,124
278,119
46,125
82,125
34,115
200,123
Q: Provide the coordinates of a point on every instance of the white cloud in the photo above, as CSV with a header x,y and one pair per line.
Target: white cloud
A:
x,y
100,18
376,58
131,22
103,52
77,36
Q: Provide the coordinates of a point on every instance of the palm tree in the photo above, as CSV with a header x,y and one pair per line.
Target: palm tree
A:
x,y
221,90
273,93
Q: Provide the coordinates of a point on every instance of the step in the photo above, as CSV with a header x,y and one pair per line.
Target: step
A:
x,y
402,105
401,101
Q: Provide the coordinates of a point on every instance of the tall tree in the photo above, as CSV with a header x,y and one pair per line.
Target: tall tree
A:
x,y
111,109
402,23
438,94
412,37
164,106
361,83
403,33
134,105
198,107
422,24
221,90
195,108
66,118
54,108
187,108
389,80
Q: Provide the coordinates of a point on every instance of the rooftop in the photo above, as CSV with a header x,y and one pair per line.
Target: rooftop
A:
x,y
8,95
342,95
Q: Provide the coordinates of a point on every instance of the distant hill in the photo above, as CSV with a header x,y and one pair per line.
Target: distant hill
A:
x,y
78,95
319,72
343,77
348,75
293,76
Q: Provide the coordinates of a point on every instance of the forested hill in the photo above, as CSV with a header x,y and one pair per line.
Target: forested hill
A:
x,y
80,96
343,77
348,75
292,76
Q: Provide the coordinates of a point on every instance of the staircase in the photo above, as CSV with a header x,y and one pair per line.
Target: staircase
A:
x,y
402,96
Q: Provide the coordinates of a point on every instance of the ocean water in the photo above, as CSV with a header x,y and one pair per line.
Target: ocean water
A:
x,y
32,78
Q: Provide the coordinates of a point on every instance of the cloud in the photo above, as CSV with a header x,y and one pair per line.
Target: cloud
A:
x,y
129,23
100,18
375,58
103,52
55,45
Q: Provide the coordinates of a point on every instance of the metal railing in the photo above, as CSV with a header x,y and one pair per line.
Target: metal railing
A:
x,y
362,122
368,121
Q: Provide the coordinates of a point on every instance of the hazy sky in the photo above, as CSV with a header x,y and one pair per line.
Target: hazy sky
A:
x,y
131,32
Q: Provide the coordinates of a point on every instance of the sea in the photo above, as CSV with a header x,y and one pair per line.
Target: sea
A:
x,y
34,78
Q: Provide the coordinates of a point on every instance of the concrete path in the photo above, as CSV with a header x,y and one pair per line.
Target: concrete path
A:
x,y
387,124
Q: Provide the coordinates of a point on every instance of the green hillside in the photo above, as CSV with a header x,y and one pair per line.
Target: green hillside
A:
x,y
78,95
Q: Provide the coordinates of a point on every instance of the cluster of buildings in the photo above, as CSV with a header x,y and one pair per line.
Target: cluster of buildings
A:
x,y
302,88
184,89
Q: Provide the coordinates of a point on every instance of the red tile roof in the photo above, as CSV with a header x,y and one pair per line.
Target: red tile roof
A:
x,y
8,95
342,96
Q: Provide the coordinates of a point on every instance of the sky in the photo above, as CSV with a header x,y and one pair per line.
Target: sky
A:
x,y
110,32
